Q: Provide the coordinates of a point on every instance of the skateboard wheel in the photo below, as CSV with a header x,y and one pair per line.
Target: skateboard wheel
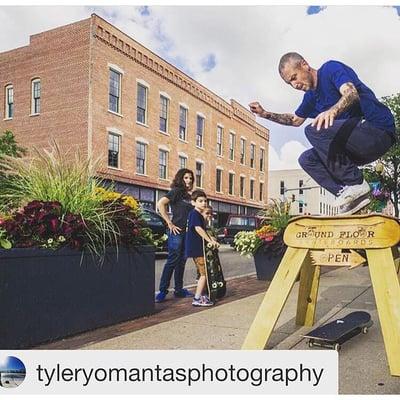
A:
x,y
337,347
209,245
310,344
221,284
215,285
365,329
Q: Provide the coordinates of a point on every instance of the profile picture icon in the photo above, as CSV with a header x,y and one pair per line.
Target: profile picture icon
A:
x,y
12,372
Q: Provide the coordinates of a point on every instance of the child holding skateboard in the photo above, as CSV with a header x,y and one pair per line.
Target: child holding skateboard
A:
x,y
195,234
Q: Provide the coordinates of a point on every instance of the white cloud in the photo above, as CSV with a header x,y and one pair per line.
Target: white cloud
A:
x,y
286,157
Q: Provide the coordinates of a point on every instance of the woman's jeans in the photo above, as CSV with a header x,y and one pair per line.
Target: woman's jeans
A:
x,y
176,261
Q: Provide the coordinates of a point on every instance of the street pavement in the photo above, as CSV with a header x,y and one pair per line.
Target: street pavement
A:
x,y
233,265
363,365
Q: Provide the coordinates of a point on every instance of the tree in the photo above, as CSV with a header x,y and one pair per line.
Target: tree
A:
x,y
390,176
9,147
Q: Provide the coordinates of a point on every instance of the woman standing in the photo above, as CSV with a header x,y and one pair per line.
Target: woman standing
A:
x,y
179,199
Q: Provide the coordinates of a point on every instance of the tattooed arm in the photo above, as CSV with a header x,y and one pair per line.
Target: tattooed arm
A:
x,y
349,97
283,119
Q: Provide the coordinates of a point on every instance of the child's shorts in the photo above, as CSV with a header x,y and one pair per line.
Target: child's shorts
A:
x,y
201,265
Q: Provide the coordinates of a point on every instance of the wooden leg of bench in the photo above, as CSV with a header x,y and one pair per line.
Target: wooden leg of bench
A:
x,y
387,296
308,293
275,299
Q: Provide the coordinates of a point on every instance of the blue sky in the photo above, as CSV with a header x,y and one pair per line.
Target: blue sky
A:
x,y
13,363
234,51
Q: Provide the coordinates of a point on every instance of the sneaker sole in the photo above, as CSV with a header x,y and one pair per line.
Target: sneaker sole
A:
x,y
357,206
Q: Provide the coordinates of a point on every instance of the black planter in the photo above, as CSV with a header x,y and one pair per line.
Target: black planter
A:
x,y
266,263
47,295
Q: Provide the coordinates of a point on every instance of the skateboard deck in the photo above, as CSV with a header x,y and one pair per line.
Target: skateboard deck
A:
x,y
216,284
335,333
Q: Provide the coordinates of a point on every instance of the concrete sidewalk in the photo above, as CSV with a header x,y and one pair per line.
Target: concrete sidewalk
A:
x,y
363,365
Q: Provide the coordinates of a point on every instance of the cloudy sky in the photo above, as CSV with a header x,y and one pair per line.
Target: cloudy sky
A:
x,y
234,50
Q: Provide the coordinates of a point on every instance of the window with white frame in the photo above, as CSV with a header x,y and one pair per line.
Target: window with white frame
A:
x,y
164,105
182,122
220,135
218,180
35,101
261,191
200,131
182,162
252,189
301,191
231,183
141,150
231,146
9,112
141,101
162,163
252,154
199,174
114,95
300,207
114,145
242,150
262,156
241,186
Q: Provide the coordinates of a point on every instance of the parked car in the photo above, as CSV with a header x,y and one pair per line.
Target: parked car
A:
x,y
237,223
156,223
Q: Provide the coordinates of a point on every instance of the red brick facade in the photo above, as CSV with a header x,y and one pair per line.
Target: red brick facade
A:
x,y
73,64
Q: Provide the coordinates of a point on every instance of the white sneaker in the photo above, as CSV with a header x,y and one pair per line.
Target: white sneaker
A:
x,y
353,198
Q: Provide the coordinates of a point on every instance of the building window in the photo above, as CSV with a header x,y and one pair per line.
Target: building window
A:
x,y
200,131
252,155
113,150
199,174
262,155
164,114
218,181
241,186
300,207
282,188
231,146
261,191
9,101
182,162
252,189
301,191
162,164
220,134
320,208
231,183
114,92
141,114
242,150
35,102
140,158
182,122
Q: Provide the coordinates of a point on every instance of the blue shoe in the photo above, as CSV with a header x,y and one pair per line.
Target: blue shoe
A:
x,y
183,293
161,297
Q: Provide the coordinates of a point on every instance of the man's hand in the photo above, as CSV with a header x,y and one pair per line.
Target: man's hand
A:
x,y
174,229
256,108
325,119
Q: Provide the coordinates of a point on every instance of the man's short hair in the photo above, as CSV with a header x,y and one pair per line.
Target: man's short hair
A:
x,y
198,193
292,57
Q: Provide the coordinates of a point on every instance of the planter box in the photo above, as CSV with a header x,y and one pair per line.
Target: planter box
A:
x,y
266,264
47,295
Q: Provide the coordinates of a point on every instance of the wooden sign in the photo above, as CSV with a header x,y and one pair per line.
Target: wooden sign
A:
x,y
332,258
361,232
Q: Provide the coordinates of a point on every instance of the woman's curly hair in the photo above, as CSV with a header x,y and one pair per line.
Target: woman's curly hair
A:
x,y
178,181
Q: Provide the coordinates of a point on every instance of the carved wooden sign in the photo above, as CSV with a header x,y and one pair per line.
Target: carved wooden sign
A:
x,y
365,232
336,258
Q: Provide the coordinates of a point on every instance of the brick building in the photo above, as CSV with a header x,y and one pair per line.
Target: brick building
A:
x,y
89,85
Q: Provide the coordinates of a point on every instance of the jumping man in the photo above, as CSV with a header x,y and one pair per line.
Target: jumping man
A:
x,y
350,128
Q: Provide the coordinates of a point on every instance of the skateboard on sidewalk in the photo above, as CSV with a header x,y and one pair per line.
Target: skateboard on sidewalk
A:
x,y
216,284
335,333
